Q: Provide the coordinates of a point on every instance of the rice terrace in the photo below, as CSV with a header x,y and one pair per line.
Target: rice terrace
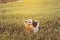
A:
x,y
13,13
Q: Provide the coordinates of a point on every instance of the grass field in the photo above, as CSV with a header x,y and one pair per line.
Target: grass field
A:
x,y
12,15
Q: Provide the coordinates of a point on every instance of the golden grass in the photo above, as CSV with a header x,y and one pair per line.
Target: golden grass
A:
x,y
12,15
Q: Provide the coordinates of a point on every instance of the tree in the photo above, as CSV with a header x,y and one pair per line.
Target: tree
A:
x,y
5,1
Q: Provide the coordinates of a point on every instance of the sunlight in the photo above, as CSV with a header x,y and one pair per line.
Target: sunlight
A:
x,y
20,1
31,1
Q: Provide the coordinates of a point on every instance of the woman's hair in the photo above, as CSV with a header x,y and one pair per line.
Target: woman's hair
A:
x,y
34,24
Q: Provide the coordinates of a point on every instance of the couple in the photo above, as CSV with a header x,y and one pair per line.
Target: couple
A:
x,y
31,25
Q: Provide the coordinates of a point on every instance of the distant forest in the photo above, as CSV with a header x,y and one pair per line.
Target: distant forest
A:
x,y
5,1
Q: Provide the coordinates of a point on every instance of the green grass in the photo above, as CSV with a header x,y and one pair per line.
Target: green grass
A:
x,y
12,15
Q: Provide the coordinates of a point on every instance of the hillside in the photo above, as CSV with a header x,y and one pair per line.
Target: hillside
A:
x,y
12,15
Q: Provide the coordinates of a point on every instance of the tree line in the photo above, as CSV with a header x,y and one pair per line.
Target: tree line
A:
x,y
5,1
